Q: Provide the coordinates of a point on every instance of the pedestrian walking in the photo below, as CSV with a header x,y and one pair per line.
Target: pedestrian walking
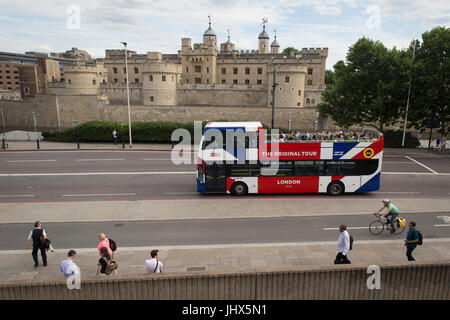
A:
x,y
115,136
106,265
68,267
38,236
104,242
412,238
343,246
153,265
443,142
438,142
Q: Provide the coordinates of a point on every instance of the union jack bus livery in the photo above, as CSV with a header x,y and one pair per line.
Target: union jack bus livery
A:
x,y
255,163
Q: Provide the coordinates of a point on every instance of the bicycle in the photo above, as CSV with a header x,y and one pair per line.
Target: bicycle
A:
x,y
376,227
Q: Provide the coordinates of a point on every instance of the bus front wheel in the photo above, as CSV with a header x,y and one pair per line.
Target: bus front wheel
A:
x,y
335,188
239,189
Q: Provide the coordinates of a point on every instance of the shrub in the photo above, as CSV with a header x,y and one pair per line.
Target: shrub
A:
x,y
393,139
101,131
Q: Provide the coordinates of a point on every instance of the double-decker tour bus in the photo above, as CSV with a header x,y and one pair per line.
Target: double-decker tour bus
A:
x,y
303,165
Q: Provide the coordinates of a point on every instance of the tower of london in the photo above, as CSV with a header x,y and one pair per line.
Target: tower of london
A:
x,y
207,74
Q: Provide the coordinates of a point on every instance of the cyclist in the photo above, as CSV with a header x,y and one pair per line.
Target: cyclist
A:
x,y
392,212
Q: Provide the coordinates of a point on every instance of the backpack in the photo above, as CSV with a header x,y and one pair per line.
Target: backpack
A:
x,y
111,265
351,242
420,238
112,244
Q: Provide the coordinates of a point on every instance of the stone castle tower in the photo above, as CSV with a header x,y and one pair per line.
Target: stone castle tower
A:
x,y
263,41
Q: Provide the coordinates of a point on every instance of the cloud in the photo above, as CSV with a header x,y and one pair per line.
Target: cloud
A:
x,y
329,11
43,48
430,13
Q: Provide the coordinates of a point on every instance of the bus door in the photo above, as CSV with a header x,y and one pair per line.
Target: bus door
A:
x,y
215,178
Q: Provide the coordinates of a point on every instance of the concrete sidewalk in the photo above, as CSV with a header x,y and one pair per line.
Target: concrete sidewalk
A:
x,y
72,146
18,265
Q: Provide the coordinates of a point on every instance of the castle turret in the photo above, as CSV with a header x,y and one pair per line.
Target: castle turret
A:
x,y
263,41
209,36
275,47
160,80
227,47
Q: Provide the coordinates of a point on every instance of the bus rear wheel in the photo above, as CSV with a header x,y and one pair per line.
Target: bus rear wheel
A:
x,y
335,188
239,189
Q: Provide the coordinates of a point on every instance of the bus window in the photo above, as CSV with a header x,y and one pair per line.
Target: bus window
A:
x,y
333,168
308,168
244,170
284,168
366,167
348,168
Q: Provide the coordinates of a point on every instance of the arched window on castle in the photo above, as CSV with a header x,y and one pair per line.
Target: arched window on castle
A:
x,y
308,101
313,102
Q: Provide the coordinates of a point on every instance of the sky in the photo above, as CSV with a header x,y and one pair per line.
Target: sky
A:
x,y
96,25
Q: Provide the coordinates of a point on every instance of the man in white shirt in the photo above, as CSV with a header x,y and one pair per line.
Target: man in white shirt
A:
x,y
68,267
154,265
343,246
38,235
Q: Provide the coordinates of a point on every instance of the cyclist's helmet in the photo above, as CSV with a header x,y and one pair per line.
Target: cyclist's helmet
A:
x,y
386,202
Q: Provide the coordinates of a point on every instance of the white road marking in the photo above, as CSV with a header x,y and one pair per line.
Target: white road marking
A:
x,y
442,225
30,160
445,219
398,192
100,159
16,195
409,162
156,159
93,173
422,165
417,173
98,194
348,228
181,193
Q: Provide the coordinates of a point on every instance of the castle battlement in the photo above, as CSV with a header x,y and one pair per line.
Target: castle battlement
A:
x,y
323,52
161,67
84,69
217,86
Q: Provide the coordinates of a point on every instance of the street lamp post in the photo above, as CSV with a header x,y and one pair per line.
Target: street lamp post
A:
x,y
274,85
407,101
128,95
3,121
34,121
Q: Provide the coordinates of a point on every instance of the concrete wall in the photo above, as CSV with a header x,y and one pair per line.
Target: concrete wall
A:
x,y
73,109
400,282
52,112
301,119
222,95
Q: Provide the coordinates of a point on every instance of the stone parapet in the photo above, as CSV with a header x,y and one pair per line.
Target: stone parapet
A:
x,y
401,281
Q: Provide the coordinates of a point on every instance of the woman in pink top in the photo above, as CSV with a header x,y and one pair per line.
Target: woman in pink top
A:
x,y
104,242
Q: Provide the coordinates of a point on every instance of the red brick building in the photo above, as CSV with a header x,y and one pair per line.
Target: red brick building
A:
x,y
9,76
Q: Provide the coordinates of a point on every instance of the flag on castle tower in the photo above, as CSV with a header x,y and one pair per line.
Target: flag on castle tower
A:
x,y
264,20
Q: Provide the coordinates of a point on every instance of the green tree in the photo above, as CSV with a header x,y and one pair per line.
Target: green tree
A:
x,y
329,77
369,89
289,49
430,96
